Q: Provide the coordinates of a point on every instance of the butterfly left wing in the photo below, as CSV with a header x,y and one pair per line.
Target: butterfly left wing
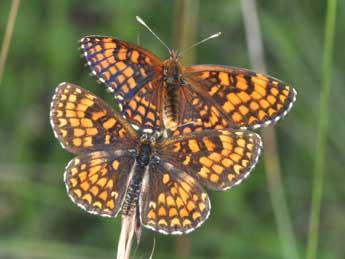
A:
x,y
131,73
97,181
218,159
171,201
245,99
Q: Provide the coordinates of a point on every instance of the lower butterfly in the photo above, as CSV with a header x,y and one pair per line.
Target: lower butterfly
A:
x,y
162,179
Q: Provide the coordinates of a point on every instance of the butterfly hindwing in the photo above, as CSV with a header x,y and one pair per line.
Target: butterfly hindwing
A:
x,y
97,181
171,201
218,159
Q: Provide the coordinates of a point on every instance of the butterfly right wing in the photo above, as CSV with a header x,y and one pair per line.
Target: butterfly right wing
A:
x,y
132,74
97,181
83,122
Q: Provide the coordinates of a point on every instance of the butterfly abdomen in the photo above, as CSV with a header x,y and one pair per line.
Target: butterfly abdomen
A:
x,y
171,109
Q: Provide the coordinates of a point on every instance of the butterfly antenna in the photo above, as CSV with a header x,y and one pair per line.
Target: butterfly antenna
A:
x,y
147,27
200,42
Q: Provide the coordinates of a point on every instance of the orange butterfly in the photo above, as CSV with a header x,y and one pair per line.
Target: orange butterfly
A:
x,y
157,94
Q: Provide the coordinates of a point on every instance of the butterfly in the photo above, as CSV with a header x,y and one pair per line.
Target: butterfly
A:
x,y
120,168
154,93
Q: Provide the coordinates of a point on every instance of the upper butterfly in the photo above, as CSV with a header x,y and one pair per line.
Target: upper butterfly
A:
x,y
154,94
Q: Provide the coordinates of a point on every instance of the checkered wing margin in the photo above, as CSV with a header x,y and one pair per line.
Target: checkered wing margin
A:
x,y
171,201
97,181
218,159
244,98
83,122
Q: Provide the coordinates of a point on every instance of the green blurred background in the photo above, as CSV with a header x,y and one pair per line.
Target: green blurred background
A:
x,y
38,220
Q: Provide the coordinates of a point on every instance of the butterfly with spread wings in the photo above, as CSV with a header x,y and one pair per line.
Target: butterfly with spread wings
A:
x,y
161,179
157,94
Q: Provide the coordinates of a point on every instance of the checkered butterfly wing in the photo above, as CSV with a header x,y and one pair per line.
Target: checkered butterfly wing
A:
x,y
132,74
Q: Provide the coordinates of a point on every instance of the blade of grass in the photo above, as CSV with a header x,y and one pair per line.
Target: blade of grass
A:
x,y
185,27
320,150
271,159
8,35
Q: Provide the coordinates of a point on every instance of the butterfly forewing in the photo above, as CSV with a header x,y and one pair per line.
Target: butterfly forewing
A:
x,y
172,202
97,181
132,74
83,122
218,159
244,98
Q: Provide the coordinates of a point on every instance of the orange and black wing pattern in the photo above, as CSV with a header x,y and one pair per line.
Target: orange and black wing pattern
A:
x,y
83,122
243,98
97,181
217,159
132,74
171,201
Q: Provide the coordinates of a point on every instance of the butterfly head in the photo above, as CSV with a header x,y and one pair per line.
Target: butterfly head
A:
x,y
172,69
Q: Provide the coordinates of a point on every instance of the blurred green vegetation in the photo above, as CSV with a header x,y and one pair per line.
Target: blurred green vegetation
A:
x,y
38,220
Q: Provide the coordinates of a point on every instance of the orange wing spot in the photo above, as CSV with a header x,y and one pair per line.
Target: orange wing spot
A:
x,y
262,115
235,157
274,91
91,131
213,90
215,157
186,186
134,57
151,116
77,192
162,212
85,186
214,178
242,84
252,120
184,195
245,163
227,162
128,72
172,212
218,169
151,214
170,201
224,78
101,182
187,160
205,161
237,169
228,107
109,123
286,91
94,170
70,106
107,139
173,191
74,122
175,222
282,98
241,142
244,97
177,147
103,196
183,213
116,164
161,198
190,206
209,144
70,113
233,98
260,90
256,96
72,98
122,54
110,204
193,145
94,190
186,222
237,117
239,150
78,132
271,99
73,182
141,110
120,65
97,115
196,215
131,82
271,111
142,72
187,130
87,142
74,171
179,202
162,222
63,133
166,178
87,197
97,204
138,118
86,123
243,109
264,104
80,114
82,176
109,185
249,155
204,171
77,142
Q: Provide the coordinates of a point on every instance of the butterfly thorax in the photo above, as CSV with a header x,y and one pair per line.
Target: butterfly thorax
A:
x,y
172,77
